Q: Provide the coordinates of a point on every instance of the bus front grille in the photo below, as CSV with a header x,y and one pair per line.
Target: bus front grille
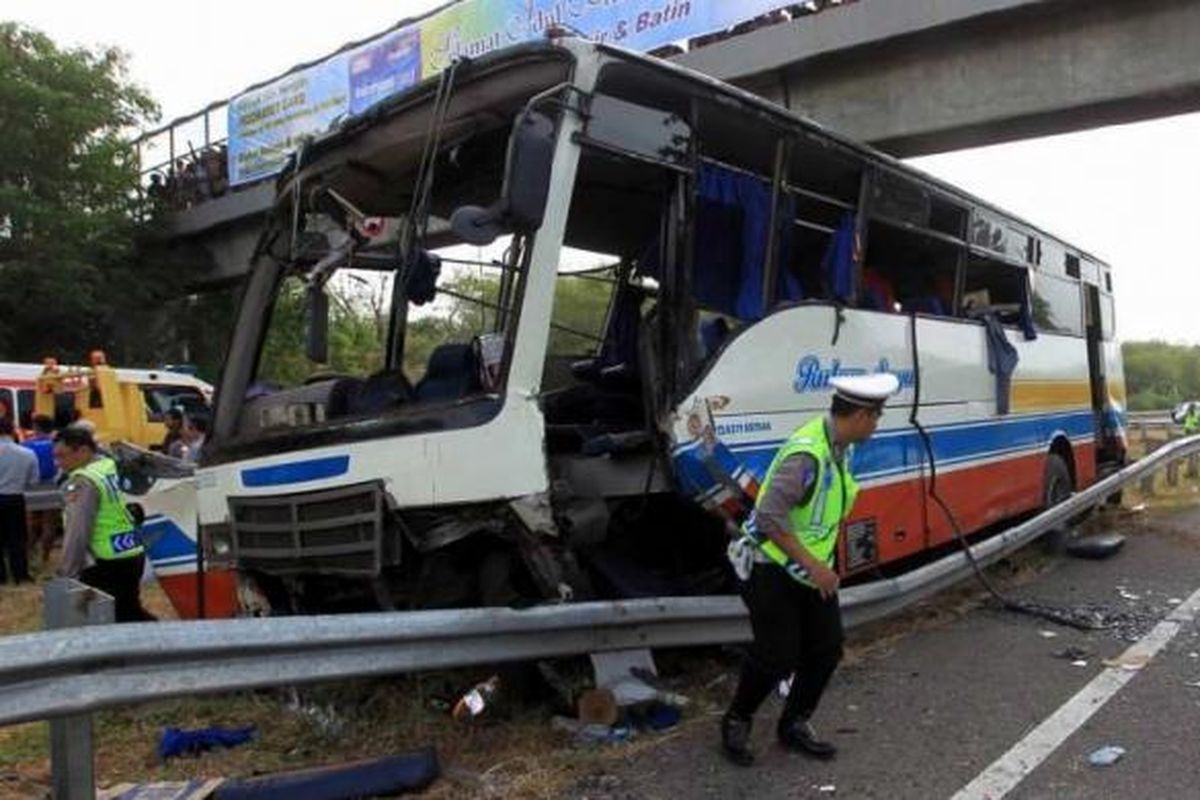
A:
x,y
332,532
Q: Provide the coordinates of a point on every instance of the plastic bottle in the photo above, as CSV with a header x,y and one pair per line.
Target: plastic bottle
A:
x,y
476,701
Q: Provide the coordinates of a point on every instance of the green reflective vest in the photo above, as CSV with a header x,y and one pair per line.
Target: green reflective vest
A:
x,y
817,522
1191,421
114,535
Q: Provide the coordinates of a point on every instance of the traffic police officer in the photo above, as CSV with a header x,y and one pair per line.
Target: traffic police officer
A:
x,y
1191,419
101,546
791,539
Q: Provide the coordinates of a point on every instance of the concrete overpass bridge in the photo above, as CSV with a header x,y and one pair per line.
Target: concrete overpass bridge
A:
x,y
911,77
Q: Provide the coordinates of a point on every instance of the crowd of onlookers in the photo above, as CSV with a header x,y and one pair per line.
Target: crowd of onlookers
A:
x,y
28,464
190,181
204,175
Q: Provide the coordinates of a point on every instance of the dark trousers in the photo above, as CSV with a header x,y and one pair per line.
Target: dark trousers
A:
x,y
121,578
13,535
795,631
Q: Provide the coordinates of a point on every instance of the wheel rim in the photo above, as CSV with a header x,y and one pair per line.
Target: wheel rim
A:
x,y
1056,491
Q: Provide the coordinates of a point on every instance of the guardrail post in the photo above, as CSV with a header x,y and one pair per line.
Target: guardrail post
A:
x,y
71,604
1193,466
1173,467
1148,447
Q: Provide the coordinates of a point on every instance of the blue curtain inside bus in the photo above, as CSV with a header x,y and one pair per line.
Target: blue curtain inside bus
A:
x,y
733,215
838,262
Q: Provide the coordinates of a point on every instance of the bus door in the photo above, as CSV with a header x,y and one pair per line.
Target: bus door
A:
x,y
1097,374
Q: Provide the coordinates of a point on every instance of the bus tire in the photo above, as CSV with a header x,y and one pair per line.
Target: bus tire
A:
x,y
1056,487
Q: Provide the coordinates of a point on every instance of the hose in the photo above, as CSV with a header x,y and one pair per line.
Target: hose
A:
x,y
1073,618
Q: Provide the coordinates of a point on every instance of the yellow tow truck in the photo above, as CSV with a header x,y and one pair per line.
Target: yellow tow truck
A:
x,y
126,405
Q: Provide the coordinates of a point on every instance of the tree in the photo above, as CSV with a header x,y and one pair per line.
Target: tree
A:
x,y
465,308
1160,375
68,189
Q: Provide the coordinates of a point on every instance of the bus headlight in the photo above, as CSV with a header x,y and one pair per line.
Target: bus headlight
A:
x,y
218,544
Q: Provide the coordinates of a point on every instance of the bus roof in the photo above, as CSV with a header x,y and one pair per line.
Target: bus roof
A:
x,y
510,75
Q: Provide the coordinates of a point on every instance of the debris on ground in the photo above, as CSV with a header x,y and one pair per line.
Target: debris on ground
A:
x,y
1073,653
324,718
653,716
588,733
409,772
477,700
199,789
1106,756
1129,663
175,742
1047,634
633,679
597,707
1096,545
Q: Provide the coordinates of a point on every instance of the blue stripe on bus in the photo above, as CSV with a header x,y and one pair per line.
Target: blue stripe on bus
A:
x,y
901,450
313,469
165,539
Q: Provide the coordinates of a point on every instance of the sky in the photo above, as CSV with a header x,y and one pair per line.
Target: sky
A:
x,y
1128,194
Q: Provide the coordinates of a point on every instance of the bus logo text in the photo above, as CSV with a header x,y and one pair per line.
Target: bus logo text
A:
x,y
811,376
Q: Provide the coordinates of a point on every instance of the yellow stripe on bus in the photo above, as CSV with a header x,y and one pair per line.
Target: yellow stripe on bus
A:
x,y
1039,395
1116,392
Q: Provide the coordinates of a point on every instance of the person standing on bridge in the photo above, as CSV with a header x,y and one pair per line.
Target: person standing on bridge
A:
x,y
787,553
101,546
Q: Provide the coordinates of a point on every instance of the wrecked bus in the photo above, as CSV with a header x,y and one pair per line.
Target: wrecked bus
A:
x,y
737,257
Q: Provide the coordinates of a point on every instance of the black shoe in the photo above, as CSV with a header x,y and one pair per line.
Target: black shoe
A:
x,y
800,737
735,740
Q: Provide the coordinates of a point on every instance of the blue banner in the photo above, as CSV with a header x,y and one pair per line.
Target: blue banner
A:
x,y
267,124
384,67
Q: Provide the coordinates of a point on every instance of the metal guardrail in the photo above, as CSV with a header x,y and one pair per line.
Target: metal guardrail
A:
x,y
79,670
66,674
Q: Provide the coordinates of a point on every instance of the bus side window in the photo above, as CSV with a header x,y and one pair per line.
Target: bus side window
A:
x,y
909,271
995,286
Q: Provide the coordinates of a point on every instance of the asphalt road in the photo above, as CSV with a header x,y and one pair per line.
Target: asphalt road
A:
x,y
922,711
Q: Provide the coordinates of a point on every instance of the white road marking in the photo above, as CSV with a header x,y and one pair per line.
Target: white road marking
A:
x,y
1024,757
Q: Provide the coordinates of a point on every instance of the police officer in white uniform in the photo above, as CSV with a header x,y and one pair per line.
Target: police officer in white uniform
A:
x,y
791,592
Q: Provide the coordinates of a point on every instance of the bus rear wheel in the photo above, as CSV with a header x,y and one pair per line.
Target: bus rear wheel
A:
x,y
1057,486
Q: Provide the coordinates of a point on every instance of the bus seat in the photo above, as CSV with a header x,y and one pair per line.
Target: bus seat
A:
x,y
378,393
341,396
877,294
452,373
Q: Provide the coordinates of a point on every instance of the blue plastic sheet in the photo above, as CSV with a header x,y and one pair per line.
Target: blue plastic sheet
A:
x,y
177,742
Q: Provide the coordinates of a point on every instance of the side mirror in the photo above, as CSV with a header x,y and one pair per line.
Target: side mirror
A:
x,y
522,202
527,175
316,325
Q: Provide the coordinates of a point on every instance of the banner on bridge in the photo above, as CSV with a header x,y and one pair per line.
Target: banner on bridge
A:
x,y
268,123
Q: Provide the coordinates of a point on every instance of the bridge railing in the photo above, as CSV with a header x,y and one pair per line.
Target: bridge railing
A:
x,y
68,674
169,149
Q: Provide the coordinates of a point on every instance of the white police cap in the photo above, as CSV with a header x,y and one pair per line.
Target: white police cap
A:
x,y
865,390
